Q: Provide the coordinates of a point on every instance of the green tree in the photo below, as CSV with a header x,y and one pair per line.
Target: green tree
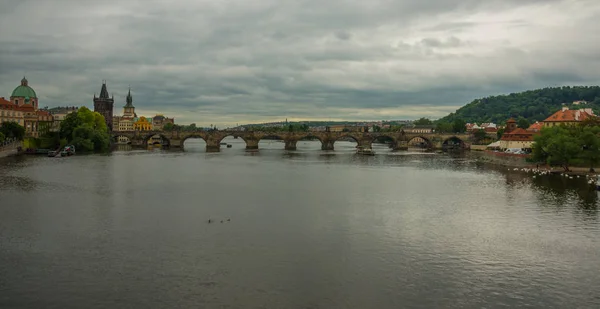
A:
x,y
2,138
557,145
12,129
444,127
168,127
86,130
522,123
590,145
459,126
499,133
479,135
422,121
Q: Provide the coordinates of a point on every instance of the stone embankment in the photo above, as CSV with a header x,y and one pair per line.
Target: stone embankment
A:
x,y
501,158
11,149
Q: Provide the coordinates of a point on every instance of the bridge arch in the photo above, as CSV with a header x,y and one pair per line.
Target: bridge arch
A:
x,y
121,139
420,141
385,140
148,136
193,136
453,142
222,143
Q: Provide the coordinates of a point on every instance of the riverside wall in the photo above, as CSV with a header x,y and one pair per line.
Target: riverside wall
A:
x,y
11,149
501,158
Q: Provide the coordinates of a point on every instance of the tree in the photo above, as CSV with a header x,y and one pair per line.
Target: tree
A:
x,y
522,123
422,121
2,138
168,127
500,133
479,135
444,127
12,130
86,130
459,126
590,145
557,145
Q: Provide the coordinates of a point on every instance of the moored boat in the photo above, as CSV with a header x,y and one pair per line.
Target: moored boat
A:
x,y
365,151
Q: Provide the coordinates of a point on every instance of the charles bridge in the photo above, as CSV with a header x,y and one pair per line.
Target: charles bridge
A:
x,y
397,140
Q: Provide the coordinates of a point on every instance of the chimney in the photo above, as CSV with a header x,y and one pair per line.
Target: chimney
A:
x,y
565,108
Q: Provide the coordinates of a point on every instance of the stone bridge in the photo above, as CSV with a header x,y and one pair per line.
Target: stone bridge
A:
x,y
397,140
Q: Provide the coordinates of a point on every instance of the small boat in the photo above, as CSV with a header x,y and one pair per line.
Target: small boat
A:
x,y
365,151
228,145
69,150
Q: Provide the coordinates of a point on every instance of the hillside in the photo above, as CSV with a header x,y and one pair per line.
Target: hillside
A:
x,y
532,105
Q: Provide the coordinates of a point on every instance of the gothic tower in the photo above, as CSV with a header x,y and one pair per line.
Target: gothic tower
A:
x,y
129,109
104,105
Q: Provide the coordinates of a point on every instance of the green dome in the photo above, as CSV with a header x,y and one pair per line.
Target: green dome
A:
x,y
24,90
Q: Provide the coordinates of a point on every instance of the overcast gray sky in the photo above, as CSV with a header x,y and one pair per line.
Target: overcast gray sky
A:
x,y
240,61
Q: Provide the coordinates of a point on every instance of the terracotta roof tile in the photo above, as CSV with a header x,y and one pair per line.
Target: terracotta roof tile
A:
x,y
568,116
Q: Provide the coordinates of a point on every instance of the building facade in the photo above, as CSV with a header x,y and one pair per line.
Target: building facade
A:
x,y
159,121
22,108
125,122
142,124
567,116
104,105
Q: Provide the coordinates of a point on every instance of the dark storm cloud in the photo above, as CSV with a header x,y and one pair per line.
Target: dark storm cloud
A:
x,y
238,61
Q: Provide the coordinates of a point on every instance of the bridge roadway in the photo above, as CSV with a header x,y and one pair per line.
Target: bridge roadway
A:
x,y
399,140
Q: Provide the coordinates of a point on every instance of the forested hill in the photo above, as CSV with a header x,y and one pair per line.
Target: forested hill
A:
x,y
532,105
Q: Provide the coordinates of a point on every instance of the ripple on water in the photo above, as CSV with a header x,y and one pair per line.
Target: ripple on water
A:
x,y
308,229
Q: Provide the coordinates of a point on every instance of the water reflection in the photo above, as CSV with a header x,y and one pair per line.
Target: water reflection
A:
x,y
309,228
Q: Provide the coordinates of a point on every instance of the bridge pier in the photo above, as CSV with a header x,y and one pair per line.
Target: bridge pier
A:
x,y
327,144
365,143
400,145
212,145
251,144
290,144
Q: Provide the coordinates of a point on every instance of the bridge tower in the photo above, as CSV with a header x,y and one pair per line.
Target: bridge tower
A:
x,y
104,105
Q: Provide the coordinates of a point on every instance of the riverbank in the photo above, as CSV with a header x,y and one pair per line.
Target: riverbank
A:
x,y
519,161
11,150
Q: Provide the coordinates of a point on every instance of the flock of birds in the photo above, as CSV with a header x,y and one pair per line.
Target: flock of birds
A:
x,y
592,180
211,220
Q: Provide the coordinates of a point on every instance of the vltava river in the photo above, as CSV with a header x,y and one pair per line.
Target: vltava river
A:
x,y
303,229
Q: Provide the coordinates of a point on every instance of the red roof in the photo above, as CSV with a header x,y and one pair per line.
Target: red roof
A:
x,y
491,130
568,115
535,127
3,102
518,134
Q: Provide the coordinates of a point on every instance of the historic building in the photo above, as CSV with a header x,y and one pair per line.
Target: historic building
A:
x,y
104,105
567,116
125,122
9,112
518,138
23,109
59,114
142,124
159,121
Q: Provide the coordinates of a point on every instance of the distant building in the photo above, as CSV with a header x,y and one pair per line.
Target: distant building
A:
x,y
125,122
517,138
159,121
579,102
59,114
142,124
104,105
22,108
567,116
420,129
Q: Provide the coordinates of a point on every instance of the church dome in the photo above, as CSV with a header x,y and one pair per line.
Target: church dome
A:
x,y
24,90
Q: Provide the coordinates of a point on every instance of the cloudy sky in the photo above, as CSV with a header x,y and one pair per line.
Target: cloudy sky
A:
x,y
238,61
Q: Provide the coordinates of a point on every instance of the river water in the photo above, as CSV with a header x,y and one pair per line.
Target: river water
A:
x,y
303,229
